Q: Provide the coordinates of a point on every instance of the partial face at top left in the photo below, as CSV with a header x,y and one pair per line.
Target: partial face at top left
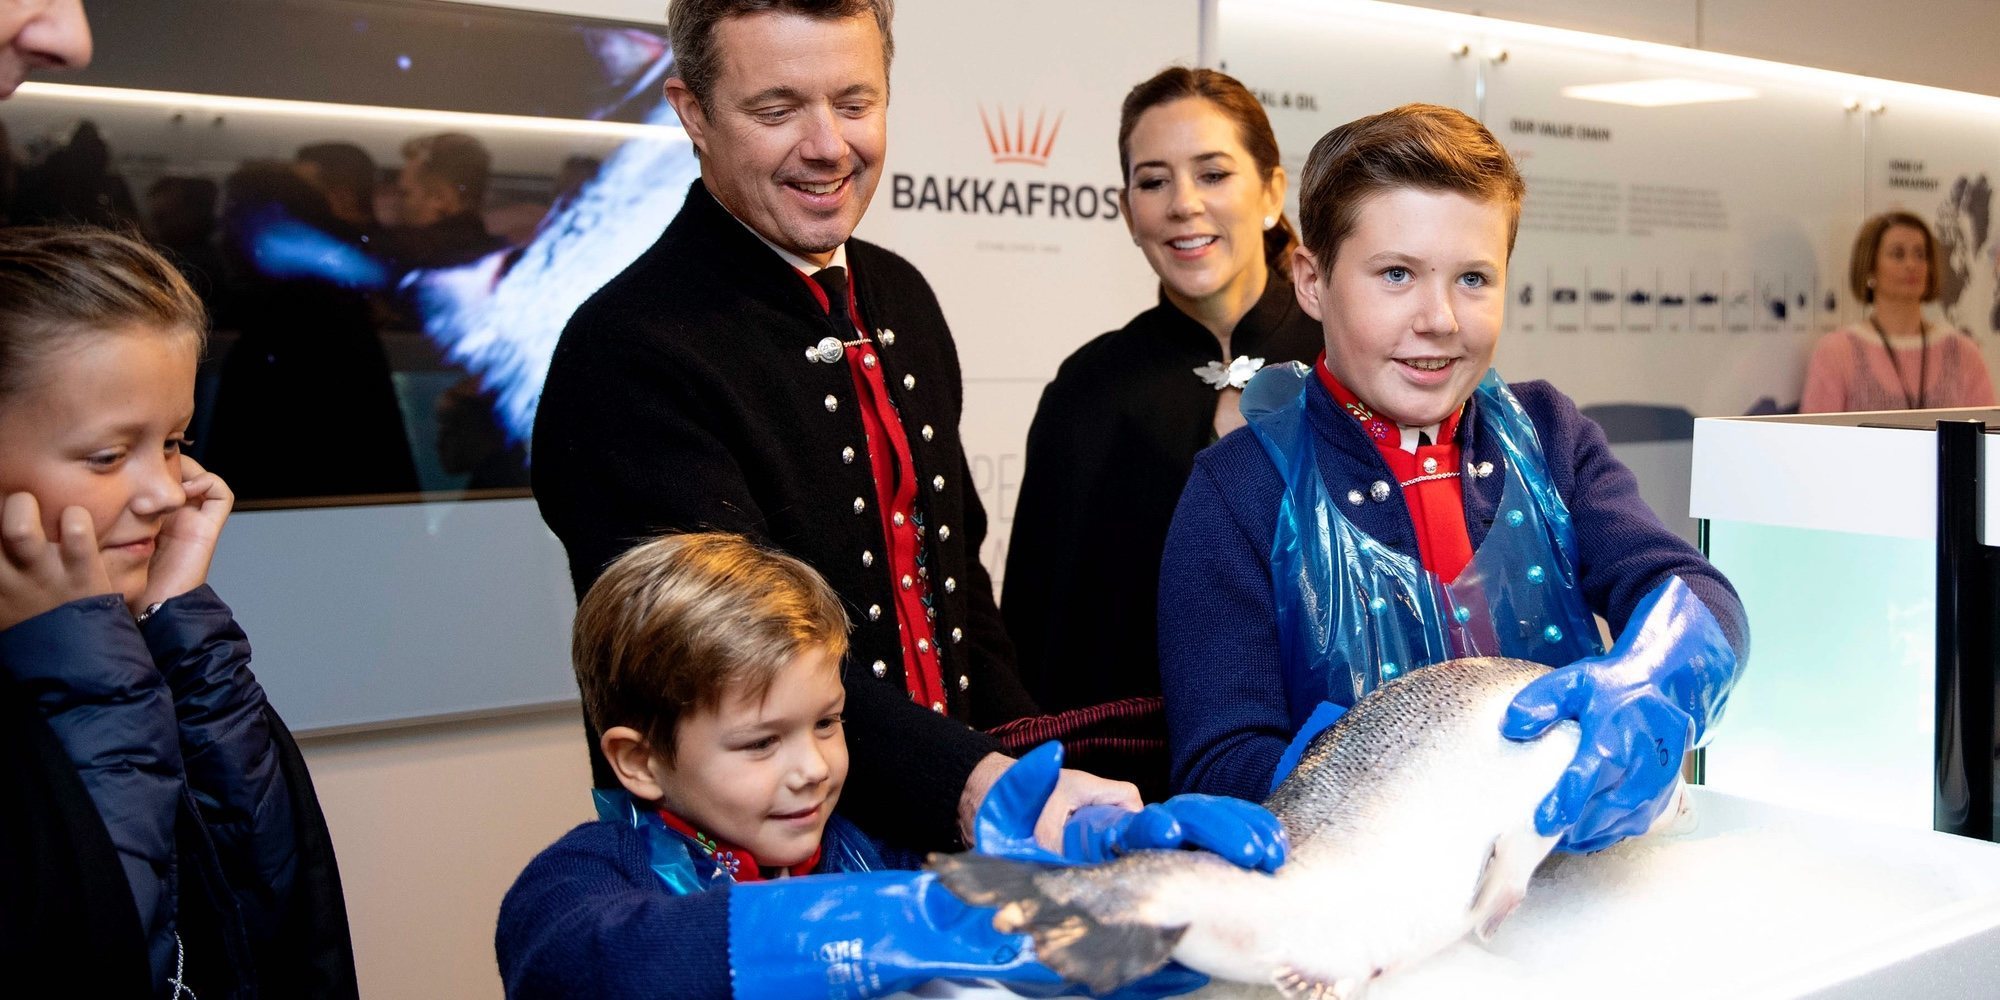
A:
x,y
792,139
40,34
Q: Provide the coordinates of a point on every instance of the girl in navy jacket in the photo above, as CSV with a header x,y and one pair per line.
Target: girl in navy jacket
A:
x,y
142,747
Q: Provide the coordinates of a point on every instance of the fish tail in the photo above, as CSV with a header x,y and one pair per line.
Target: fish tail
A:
x,y
1079,945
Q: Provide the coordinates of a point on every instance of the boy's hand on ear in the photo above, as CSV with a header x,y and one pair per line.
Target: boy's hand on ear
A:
x,y
37,574
186,544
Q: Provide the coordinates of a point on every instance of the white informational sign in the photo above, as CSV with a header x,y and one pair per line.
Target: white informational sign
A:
x,y
1001,185
1682,256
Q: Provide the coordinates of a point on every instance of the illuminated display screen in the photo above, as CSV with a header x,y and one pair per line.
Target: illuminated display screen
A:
x,y
390,208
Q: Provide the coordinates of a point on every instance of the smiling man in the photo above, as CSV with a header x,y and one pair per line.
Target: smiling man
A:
x,y
759,371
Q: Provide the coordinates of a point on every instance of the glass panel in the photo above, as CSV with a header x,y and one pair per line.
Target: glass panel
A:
x,y
1835,711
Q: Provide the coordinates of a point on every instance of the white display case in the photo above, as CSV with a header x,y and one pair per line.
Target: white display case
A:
x,y
1826,525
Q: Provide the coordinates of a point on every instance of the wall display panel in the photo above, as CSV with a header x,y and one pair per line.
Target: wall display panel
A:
x,y
1676,256
369,615
1940,159
263,145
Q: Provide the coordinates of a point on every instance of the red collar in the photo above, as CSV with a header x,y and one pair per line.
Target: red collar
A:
x,y
1383,432
739,863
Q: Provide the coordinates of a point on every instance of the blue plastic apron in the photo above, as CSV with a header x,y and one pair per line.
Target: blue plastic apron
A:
x,y
1353,612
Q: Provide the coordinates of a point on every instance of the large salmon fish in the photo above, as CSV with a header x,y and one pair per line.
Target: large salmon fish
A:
x,y
1411,823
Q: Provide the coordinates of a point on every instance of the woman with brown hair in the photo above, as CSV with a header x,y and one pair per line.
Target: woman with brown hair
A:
x,y
1896,360
1117,431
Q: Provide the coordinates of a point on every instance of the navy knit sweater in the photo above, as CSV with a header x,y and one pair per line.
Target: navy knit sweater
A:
x,y
1227,717
589,918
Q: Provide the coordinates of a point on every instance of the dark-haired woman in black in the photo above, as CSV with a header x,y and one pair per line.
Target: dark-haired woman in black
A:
x,y
1117,431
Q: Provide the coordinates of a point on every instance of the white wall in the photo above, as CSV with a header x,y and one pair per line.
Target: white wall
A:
x,y
431,825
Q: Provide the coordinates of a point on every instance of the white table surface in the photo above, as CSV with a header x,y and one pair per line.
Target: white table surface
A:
x,y
1750,900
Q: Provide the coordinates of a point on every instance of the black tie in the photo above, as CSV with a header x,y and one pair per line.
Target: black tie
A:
x,y
1423,439
834,281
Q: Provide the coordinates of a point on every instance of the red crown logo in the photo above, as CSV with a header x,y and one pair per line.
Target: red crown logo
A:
x,y
1019,146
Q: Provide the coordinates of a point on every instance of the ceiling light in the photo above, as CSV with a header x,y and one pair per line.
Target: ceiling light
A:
x,y
1661,93
458,120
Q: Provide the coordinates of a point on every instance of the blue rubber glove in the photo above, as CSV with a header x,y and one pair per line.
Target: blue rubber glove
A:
x,y
1321,719
1641,707
1242,832
867,934
1005,827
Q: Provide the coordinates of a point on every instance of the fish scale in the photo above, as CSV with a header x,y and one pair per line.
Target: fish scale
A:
x,y
1410,821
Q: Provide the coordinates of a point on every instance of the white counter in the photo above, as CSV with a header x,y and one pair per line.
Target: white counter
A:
x,y
1832,472
1753,901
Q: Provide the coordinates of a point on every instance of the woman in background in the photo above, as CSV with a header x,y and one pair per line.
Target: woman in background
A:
x,y
1117,431
1896,360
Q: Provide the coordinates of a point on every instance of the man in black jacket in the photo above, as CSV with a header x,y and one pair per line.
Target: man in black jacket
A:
x,y
759,371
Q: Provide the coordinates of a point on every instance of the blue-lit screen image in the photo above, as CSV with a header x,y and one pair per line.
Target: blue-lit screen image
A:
x,y
386,276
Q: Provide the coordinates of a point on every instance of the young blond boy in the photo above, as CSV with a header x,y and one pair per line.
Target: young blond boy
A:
x,y
710,666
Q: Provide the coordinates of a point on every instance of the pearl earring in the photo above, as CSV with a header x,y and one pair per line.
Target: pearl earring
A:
x,y
1270,222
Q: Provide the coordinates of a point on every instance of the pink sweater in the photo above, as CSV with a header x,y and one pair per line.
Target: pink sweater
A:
x,y
1850,371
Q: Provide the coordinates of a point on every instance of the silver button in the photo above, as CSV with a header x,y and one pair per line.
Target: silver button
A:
x,y
909,381
867,558
923,572
888,338
881,669
937,484
944,532
950,584
1485,469
930,614
832,404
847,456
868,361
860,505
829,350
1430,466
927,432
907,582
1379,491
874,612
938,707
898,518
1354,497
964,682
923,645
958,635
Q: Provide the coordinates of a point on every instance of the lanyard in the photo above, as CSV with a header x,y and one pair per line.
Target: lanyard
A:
x,y
1923,361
